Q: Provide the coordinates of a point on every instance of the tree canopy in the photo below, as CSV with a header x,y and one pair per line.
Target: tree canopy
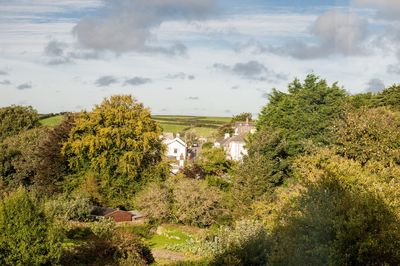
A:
x,y
28,236
118,142
14,119
292,120
19,158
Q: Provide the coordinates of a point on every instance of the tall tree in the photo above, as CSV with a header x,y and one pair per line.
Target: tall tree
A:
x,y
289,123
52,166
119,142
14,119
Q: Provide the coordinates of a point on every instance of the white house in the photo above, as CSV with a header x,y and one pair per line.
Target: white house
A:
x,y
176,150
235,146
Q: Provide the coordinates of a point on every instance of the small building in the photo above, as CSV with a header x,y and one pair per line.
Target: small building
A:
x,y
117,215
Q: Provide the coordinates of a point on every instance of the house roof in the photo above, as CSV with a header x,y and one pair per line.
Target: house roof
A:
x,y
238,138
102,211
169,141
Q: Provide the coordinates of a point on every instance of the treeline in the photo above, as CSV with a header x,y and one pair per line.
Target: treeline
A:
x,y
320,185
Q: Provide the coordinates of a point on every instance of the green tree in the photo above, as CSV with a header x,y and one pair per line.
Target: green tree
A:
x,y
389,97
52,166
14,119
213,161
28,236
196,203
293,120
119,142
368,134
338,213
242,117
18,158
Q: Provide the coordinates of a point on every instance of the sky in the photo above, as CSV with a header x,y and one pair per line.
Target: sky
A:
x,y
191,57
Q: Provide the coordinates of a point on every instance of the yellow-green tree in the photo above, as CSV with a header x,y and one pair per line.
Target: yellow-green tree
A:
x,y
339,212
369,134
118,142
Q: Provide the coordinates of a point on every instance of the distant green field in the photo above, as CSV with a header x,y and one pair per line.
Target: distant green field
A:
x,y
200,125
52,121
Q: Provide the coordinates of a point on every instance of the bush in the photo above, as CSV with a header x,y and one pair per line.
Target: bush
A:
x,y
131,251
339,213
155,202
14,119
195,203
69,208
103,228
28,236
182,200
101,247
245,244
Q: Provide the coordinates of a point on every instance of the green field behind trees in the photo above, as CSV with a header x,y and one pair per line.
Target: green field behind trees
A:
x,y
199,125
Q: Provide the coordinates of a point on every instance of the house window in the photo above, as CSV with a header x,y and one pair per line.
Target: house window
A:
x,y
175,151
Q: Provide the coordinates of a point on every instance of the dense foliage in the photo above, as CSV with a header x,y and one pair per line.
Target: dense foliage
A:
x,y
19,158
28,236
183,200
339,213
52,166
117,142
320,186
14,119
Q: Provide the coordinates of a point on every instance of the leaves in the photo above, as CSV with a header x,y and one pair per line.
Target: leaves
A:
x,y
117,141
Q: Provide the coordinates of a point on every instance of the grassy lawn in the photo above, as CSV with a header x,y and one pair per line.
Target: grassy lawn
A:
x,y
52,121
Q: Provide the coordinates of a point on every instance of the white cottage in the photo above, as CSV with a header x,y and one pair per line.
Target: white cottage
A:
x,y
176,149
235,146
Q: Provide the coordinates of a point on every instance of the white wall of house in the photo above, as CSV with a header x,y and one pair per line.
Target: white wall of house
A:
x,y
236,150
176,148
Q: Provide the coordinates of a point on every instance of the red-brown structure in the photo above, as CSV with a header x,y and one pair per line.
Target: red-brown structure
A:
x,y
120,216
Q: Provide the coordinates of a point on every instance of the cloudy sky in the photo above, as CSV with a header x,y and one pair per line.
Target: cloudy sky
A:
x,y
194,57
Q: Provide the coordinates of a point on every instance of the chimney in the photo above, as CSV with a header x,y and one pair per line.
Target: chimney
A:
x,y
178,135
227,136
247,121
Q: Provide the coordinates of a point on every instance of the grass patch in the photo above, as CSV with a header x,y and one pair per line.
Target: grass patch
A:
x,y
52,121
168,235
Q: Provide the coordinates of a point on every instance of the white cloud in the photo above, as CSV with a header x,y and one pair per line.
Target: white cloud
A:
x,y
252,70
387,9
126,25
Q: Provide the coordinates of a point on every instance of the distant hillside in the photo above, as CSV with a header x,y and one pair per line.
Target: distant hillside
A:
x,y
200,125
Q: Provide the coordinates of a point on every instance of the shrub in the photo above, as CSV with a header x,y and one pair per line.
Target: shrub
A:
x,y
69,208
338,213
182,200
155,202
101,247
195,203
103,228
131,251
245,244
28,236
369,134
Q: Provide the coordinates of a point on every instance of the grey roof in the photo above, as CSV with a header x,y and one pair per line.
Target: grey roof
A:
x,y
238,138
102,211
